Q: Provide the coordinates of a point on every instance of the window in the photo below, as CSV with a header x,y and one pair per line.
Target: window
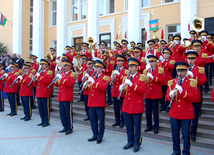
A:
x,y
106,7
78,43
83,9
75,10
107,38
170,1
110,6
173,30
31,27
143,38
53,13
78,10
54,45
144,3
101,7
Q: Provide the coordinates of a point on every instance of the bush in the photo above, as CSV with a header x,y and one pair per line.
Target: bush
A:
x,y
2,48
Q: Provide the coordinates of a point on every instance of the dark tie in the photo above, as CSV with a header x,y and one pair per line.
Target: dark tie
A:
x,y
181,82
131,78
119,70
42,72
96,77
190,68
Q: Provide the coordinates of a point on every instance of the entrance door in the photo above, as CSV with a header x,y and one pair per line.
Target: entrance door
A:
x,y
78,43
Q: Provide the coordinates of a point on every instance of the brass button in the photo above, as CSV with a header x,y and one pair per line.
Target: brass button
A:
x,y
179,106
150,88
179,100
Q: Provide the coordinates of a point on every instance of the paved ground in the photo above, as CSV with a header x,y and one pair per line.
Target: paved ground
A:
x,y
23,138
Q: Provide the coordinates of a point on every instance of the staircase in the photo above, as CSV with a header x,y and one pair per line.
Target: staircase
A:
x,y
205,133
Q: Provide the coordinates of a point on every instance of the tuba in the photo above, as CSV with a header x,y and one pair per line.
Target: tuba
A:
x,y
198,24
48,57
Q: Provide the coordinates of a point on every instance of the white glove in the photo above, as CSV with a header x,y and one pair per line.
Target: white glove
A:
x,y
81,68
103,70
171,94
116,72
59,68
161,58
120,87
87,75
91,79
204,38
5,74
59,76
150,75
20,77
84,84
127,81
190,74
37,74
180,89
175,41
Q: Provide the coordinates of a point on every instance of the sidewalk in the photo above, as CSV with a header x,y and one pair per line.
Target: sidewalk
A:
x,y
18,137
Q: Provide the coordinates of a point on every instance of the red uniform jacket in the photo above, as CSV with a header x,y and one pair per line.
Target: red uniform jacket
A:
x,y
71,55
200,76
98,53
118,52
154,90
133,102
33,72
96,97
88,53
24,89
142,67
117,82
109,67
1,81
154,51
84,68
9,80
35,66
201,59
207,48
66,85
86,91
168,68
177,52
182,107
125,64
43,81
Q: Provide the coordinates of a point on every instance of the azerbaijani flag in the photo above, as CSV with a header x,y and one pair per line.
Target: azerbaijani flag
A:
x,y
153,25
2,19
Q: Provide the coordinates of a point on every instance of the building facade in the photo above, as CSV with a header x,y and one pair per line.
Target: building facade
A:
x,y
41,24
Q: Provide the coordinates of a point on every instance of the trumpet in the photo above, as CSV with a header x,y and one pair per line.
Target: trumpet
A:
x,y
55,78
123,87
84,78
48,57
113,76
16,80
33,78
86,85
174,42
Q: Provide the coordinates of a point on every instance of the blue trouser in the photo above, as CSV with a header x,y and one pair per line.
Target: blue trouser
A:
x,y
27,106
1,100
66,114
43,105
195,121
118,110
208,74
163,102
152,105
33,97
176,124
13,102
109,92
97,113
17,96
81,94
86,105
134,128
201,89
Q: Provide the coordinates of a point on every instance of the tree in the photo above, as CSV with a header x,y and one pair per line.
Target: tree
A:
x,y
2,48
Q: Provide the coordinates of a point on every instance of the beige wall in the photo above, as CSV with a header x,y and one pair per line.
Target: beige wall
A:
x,y
205,8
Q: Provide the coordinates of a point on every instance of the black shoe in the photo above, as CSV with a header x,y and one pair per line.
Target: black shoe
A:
x,y
27,119
156,131
121,125
87,119
63,130
19,104
9,114
109,103
115,124
136,148
167,109
162,109
206,90
147,129
92,139
23,118
1,110
193,138
52,96
68,132
127,146
80,100
175,154
44,125
13,114
40,124
99,141
33,107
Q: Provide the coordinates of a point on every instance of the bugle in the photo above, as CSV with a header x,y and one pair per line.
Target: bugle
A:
x,y
123,87
55,78
86,85
34,77
16,80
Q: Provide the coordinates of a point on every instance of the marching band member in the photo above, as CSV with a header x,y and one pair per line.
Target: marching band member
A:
x,y
35,63
60,66
116,79
2,72
198,74
85,50
156,42
124,44
137,55
132,47
153,93
133,105
53,61
140,45
44,79
192,35
66,82
97,102
26,92
151,50
168,64
201,58
98,54
170,39
162,45
70,53
88,73
181,91
118,49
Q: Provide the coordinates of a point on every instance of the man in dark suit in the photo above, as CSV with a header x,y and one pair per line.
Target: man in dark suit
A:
x,y
20,61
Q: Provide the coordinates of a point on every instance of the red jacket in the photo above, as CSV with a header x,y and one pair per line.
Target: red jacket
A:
x,y
66,85
43,81
97,97
207,48
35,66
9,80
84,68
154,51
177,52
109,67
98,53
182,107
142,67
168,68
1,81
24,89
88,53
133,102
154,90
86,91
201,59
71,55
118,80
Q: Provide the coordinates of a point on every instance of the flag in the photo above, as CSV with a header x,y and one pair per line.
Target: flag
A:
x,y
145,36
153,25
162,34
117,36
189,27
125,35
2,19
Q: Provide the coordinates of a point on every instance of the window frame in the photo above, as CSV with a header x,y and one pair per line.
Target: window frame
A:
x,y
79,4
31,24
106,8
174,1
126,5
54,45
51,12
174,33
105,33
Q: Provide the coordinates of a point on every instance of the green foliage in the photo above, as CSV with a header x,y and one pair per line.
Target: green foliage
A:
x,y
2,48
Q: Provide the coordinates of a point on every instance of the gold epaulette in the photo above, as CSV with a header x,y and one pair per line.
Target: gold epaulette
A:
x,y
73,74
160,70
172,62
142,77
145,71
72,53
211,42
20,71
30,75
112,62
54,55
37,63
201,70
183,45
17,73
89,51
124,78
2,71
193,82
126,71
49,72
33,71
143,59
170,82
157,50
59,81
54,62
204,55
106,78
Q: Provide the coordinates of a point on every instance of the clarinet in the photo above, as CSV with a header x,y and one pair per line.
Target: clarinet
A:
x,y
179,83
55,78
84,78
15,80
86,84
123,87
2,77
150,70
33,78
113,77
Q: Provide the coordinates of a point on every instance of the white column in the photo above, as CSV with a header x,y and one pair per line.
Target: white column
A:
x,y
38,28
188,7
17,26
61,26
134,20
93,19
